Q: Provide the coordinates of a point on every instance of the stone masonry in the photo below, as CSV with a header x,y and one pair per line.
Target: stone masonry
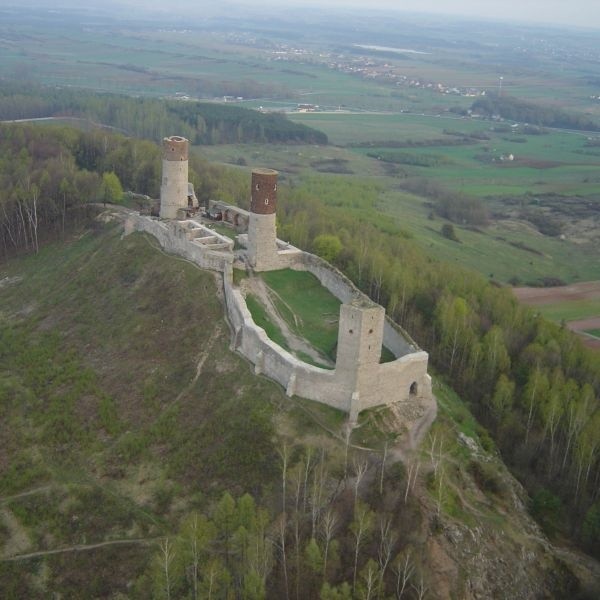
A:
x,y
359,380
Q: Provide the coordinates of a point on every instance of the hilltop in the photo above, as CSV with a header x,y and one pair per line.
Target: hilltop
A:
x,y
126,412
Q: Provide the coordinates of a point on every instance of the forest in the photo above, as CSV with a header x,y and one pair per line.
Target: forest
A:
x,y
530,382
50,175
200,122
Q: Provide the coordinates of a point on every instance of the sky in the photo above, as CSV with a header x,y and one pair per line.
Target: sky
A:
x,y
585,13
560,12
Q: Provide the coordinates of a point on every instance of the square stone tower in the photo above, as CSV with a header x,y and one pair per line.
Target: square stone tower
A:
x,y
174,186
262,227
360,335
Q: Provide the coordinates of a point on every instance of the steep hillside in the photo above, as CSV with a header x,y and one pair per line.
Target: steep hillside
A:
x,y
122,406
125,414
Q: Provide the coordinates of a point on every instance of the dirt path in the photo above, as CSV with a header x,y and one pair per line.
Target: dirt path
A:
x,y
416,432
33,492
80,548
257,287
583,324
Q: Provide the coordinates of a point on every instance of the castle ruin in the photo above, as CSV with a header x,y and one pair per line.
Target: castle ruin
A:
x,y
359,380
176,192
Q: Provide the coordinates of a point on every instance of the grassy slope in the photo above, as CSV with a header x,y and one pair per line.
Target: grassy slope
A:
x,y
308,308
99,345
104,338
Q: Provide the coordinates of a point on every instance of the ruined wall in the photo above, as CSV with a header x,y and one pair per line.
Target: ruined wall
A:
x,y
349,387
358,381
392,381
175,240
297,377
394,337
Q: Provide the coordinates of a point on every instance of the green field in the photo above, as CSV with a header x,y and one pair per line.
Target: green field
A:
x,y
594,332
508,248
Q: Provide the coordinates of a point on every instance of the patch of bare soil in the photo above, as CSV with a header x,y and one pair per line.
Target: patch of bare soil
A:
x,y
19,538
589,290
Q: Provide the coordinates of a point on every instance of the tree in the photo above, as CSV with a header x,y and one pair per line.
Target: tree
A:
x,y
502,399
329,524
448,232
360,528
111,190
327,246
197,534
591,528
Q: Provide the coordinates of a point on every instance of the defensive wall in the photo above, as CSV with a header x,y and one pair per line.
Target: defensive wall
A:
x,y
188,239
366,386
351,391
358,381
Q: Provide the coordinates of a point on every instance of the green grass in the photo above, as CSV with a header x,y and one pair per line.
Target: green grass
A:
x,y
570,311
223,230
261,318
594,332
308,308
110,418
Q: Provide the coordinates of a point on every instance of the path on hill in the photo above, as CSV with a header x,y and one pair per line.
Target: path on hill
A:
x,y
257,287
80,548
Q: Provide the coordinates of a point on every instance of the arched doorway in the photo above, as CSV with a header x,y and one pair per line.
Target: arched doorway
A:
x,y
414,388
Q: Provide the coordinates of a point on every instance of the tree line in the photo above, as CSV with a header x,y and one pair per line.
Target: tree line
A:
x,y
50,174
530,381
322,536
525,111
200,122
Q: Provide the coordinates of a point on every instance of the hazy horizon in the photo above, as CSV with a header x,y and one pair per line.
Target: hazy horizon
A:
x,y
578,13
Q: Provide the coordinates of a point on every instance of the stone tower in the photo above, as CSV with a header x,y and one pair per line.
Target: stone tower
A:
x,y
360,337
174,187
262,228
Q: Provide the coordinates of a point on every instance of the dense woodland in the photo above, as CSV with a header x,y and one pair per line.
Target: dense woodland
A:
x,y
515,109
530,382
49,175
200,122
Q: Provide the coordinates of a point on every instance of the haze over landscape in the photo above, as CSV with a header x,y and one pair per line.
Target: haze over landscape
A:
x,y
300,301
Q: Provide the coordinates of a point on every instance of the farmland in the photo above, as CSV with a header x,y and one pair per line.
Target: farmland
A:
x,y
577,305
391,118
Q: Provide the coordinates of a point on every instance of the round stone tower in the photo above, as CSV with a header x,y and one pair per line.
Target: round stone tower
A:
x,y
262,234
174,187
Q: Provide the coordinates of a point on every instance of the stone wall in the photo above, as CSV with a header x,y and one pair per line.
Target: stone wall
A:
x,y
392,381
173,238
395,338
350,390
297,377
370,385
